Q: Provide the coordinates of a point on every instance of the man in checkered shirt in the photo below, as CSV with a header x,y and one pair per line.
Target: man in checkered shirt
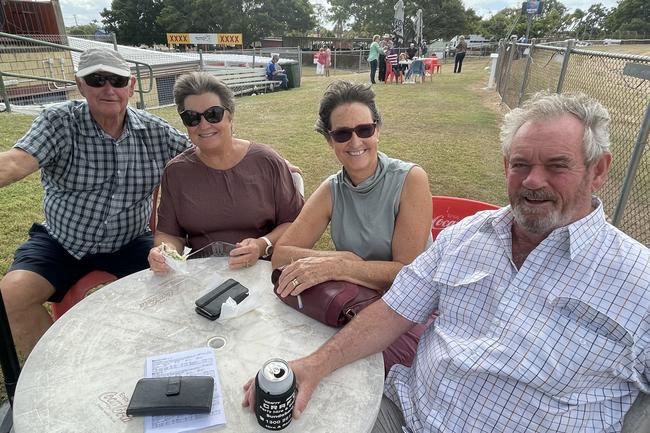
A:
x,y
544,321
100,161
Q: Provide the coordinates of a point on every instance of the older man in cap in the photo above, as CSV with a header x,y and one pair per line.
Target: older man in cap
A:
x,y
100,161
275,72
543,306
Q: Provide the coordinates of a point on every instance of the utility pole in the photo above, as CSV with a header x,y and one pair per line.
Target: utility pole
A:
x,y
75,20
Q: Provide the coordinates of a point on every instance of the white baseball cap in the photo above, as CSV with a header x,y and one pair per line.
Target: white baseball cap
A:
x,y
102,60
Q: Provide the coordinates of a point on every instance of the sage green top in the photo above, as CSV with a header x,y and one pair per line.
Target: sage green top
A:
x,y
363,216
375,49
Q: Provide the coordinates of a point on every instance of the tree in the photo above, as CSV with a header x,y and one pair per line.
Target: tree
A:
x,y
367,17
440,19
630,15
84,29
589,25
253,18
201,16
134,21
503,24
472,22
146,21
280,17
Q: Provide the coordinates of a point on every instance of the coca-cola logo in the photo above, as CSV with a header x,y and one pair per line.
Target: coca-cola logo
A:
x,y
114,405
444,221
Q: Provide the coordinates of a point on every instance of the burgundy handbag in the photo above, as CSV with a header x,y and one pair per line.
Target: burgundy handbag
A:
x,y
333,303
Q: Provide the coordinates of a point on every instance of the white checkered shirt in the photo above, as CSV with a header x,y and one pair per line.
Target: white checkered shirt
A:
x,y
98,189
560,345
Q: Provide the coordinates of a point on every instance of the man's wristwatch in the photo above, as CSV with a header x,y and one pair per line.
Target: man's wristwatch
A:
x,y
269,248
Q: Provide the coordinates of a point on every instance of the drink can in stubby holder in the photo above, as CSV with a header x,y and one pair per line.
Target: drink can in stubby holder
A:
x,y
275,387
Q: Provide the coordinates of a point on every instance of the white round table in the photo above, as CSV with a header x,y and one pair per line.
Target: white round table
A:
x,y
81,374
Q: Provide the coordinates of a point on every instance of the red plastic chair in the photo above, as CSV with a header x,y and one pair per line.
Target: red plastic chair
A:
x,y
389,73
93,278
431,64
448,211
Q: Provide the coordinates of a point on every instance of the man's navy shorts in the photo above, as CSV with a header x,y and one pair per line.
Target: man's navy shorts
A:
x,y
43,255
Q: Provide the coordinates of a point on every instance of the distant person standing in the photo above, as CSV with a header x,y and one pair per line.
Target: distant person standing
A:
x,y
320,61
373,57
392,59
461,49
328,60
386,45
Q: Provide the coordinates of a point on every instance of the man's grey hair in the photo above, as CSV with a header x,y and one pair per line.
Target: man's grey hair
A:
x,y
544,106
198,83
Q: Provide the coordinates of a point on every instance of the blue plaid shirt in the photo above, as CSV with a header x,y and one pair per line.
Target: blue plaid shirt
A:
x,y
560,345
98,190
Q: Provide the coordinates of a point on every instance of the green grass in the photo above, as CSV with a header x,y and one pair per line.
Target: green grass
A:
x,y
449,126
635,49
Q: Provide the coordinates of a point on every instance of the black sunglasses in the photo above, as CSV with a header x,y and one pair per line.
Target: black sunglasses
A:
x,y
342,135
97,80
213,115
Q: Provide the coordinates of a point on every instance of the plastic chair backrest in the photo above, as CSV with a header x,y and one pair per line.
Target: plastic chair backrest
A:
x,y
298,183
389,71
94,278
449,210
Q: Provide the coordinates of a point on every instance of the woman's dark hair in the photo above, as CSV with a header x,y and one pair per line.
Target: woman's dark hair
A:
x,y
344,92
198,83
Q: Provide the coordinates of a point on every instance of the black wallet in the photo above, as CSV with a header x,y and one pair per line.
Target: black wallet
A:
x,y
178,395
209,305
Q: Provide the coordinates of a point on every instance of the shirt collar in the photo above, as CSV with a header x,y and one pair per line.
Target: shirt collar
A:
x,y
578,234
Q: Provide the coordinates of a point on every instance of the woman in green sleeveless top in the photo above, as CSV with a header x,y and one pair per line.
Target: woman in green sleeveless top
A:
x,y
378,208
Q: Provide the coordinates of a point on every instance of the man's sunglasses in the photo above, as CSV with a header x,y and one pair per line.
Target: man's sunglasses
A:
x,y
97,80
193,118
342,135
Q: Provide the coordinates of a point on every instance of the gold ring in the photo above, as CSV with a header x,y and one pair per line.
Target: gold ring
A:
x,y
295,282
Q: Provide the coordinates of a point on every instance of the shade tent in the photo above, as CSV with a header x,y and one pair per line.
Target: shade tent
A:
x,y
398,22
418,28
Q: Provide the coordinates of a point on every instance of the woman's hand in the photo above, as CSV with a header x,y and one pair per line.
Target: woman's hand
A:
x,y
246,253
309,271
157,262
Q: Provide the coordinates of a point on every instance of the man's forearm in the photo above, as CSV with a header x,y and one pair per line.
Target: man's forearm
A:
x,y
15,164
374,329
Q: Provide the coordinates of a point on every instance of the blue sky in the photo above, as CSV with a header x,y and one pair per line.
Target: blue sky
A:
x,y
84,11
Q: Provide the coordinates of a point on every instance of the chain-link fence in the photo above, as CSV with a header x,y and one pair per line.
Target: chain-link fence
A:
x,y
622,84
39,69
21,61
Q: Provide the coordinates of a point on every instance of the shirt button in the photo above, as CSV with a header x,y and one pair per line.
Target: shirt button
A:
x,y
119,171
497,322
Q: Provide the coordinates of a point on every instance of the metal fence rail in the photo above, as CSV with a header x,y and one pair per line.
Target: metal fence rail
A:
x,y
42,70
524,69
